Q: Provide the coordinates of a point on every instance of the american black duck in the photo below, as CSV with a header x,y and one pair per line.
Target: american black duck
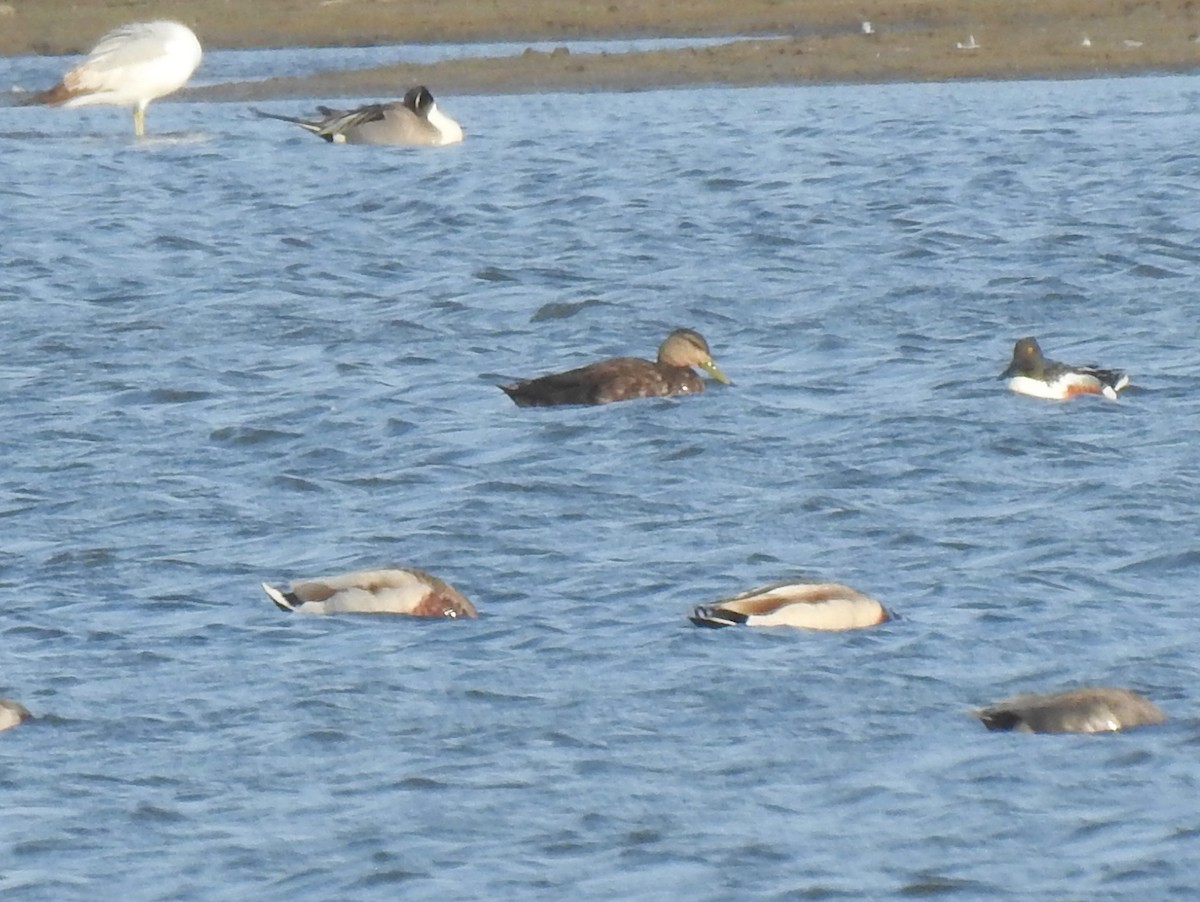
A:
x,y
625,378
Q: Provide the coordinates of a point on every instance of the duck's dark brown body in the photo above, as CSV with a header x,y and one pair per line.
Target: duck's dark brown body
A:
x,y
618,379
624,378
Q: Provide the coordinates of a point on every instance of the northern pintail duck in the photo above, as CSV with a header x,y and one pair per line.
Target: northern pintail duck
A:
x,y
1095,709
394,591
624,378
1030,373
12,713
415,120
131,66
807,605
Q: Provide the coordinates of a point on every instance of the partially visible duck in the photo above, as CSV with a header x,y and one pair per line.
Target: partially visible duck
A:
x,y
394,591
1095,709
130,66
624,378
1030,373
12,713
415,120
807,605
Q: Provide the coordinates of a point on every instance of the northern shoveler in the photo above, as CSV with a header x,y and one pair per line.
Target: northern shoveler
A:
x,y
1030,373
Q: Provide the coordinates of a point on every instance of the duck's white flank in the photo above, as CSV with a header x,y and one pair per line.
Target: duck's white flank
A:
x,y
1068,385
12,713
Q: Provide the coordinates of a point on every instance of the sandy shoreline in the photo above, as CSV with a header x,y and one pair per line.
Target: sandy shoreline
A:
x,y
780,42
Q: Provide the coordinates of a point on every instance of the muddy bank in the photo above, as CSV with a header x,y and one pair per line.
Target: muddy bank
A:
x,y
814,41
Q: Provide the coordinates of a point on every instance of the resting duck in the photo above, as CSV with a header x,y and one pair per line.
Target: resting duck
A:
x,y
415,120
12,713
396,591
1095,709
623,378
813,606
1032,374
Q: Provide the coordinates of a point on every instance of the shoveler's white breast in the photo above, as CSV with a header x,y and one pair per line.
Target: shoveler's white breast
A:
x,y
1067,385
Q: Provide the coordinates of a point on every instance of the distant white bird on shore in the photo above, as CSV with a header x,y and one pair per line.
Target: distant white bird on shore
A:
x,y
866,28
1086,42
132,65
969,45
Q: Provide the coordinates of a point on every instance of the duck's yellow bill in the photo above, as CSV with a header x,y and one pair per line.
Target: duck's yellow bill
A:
x,y
715,371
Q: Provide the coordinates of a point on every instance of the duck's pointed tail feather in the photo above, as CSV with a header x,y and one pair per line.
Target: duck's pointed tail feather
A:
x,y
314,127
716,617
283,600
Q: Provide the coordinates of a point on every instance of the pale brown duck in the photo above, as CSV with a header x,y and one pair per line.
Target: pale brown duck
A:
x,y
1093,709
389,591
806,605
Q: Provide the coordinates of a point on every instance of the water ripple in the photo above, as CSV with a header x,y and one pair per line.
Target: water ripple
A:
x,y
236,356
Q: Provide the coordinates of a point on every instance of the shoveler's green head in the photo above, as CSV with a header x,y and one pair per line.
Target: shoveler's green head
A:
x,y
1027,360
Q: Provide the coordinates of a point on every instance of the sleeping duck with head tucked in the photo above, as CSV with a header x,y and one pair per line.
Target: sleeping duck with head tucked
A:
x,y
398,590
800,604
625,378
1091,709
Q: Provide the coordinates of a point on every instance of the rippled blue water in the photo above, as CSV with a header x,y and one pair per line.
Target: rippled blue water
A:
x,y
234,353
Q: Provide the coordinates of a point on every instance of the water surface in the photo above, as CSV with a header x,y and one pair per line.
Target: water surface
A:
x,y
234,353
